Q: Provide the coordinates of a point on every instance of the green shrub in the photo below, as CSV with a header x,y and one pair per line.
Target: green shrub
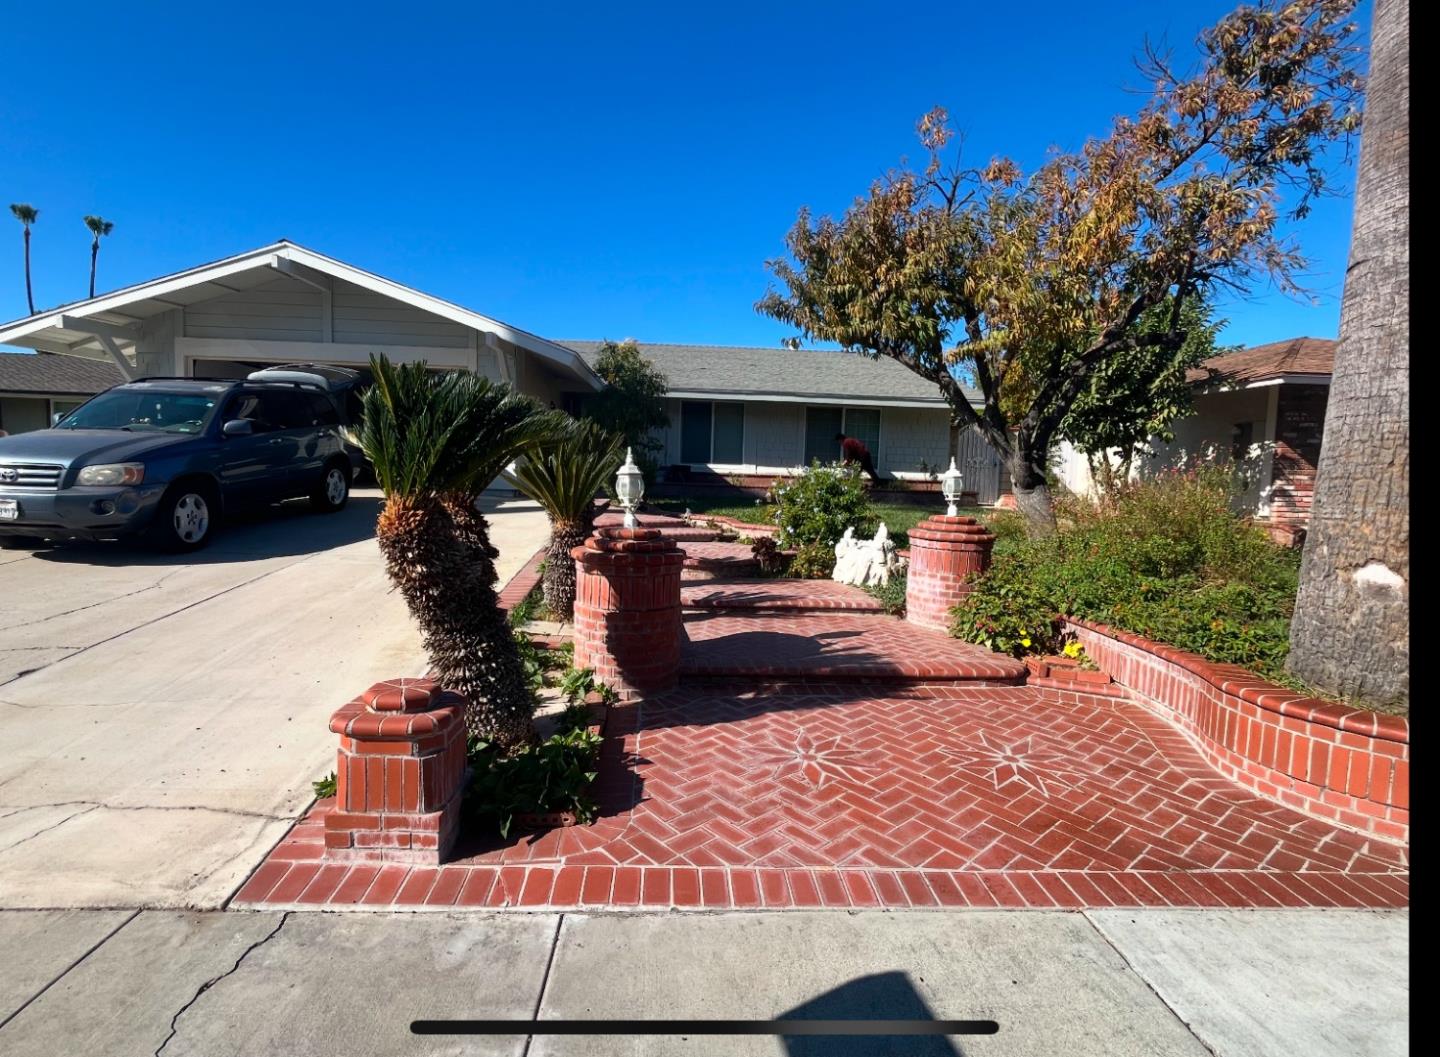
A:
x,y
892,594
1164,558
818,505
813,561
325,787
555,775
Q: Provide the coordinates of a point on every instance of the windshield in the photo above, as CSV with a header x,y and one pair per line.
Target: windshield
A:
x,y
144,410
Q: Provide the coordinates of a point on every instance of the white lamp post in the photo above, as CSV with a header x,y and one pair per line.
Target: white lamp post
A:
x,y
630,488
951,483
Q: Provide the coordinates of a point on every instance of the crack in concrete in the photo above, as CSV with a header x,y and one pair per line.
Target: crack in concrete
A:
x,y
47,829
103,602
208,984
1149,986
148,623
94,805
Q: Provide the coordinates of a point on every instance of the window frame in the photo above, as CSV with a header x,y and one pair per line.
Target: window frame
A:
x,y
710,449
845,411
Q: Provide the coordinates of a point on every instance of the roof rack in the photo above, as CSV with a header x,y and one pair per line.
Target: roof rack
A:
x,y
232,381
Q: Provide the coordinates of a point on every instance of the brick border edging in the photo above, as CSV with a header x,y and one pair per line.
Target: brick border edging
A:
x,y
522,583
1348,766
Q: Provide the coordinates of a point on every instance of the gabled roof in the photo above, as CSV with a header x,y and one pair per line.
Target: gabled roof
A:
x,y
42,374
1298,359
74,328
780,374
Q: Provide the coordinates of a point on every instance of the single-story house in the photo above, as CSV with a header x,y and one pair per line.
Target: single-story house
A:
x,y
284,303
34,387
751,414
1262,408
747,412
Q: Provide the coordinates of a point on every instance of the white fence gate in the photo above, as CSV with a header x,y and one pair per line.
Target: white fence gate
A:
x,y
980,466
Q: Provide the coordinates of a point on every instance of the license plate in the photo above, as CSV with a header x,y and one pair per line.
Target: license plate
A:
x,y
9,509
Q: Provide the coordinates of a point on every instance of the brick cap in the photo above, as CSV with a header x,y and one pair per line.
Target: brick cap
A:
x,y
1249,687
646,545
942,528
356,719
401,695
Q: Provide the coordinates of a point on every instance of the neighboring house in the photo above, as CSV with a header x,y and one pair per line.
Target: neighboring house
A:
x,y
1262,408
34,387
284,303
757,413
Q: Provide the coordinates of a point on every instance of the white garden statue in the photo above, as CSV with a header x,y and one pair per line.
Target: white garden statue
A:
x,y
865,563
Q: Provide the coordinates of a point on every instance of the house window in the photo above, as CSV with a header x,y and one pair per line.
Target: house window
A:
x,y
712,433
822,423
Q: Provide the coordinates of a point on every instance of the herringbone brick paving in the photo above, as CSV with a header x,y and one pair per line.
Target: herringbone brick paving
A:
x,y
771,644
852,795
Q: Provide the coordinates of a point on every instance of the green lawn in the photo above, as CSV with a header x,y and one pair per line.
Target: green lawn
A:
x,y
899,518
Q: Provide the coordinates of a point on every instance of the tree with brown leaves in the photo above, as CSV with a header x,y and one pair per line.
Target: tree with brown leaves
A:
x,y
1029,284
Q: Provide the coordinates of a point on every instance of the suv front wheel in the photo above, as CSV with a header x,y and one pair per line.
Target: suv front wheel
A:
x,y
333,491
185,520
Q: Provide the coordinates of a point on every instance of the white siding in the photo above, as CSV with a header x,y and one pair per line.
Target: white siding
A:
x,y
1207,435
913,442
362,317
283,309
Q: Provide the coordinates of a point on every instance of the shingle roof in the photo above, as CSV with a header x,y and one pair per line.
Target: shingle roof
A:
x,y
42,372
1314,356
806,373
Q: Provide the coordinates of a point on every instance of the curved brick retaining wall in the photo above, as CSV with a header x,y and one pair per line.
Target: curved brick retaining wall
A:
x,y
1345,765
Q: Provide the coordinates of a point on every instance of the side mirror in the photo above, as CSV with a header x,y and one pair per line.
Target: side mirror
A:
x,y
237,427
56,417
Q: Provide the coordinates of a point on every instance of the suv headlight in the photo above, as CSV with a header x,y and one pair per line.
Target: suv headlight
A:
x,y
112,473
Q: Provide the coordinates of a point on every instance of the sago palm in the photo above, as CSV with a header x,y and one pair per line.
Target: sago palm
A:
x,y
99,227
26,214
563,478
435,441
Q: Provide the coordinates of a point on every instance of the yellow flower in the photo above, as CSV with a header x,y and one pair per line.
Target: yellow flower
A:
x,y
1025,641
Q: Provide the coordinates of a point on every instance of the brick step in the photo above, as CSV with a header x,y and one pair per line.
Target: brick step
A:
x,y
780,646
791,595
705,562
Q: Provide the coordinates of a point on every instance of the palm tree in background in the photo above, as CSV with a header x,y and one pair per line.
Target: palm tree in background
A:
x,y
98,226
435,441
563,478
26,214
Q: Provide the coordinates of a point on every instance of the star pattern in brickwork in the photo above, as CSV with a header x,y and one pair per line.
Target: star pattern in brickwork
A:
x,y
1028,761
816,761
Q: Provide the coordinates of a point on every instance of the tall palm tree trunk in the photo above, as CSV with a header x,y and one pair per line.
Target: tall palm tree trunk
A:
x,y
29,292
1350,634
438,552
558,584
94,256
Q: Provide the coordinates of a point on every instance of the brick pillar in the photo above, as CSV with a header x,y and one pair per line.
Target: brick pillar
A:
x,y
627,609
399,775
944,552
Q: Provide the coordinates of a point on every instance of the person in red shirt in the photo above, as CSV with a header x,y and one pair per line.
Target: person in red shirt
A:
x,y
854,453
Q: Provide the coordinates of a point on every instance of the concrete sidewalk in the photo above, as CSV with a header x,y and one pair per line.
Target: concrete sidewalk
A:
x,y
1103,983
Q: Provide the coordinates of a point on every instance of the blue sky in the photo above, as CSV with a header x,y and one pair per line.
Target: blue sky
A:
x,y
581,171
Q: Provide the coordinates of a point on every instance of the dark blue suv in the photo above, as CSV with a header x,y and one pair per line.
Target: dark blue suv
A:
x,y
167,457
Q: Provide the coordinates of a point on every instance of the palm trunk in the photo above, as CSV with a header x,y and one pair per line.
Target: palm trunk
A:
x,y
438,553
1351,631
559,582
29,293
94,254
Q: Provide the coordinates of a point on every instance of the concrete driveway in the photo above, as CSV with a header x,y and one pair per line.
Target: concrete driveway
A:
x,y
162,717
